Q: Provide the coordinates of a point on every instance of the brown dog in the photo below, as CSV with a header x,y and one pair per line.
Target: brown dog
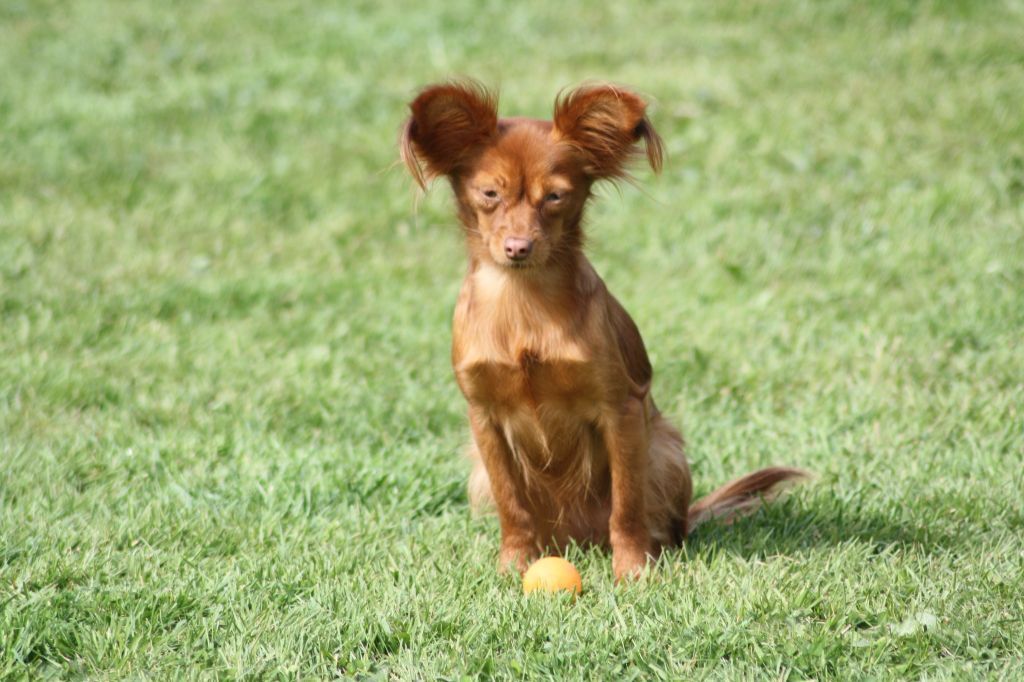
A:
x,y
567,442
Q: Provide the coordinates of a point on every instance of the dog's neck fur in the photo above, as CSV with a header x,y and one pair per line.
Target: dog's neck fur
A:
x,y
536,310
558,287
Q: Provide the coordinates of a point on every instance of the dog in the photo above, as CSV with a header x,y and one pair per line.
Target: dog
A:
x,y
567,442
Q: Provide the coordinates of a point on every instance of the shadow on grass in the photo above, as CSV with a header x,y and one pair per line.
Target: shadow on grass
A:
x,y
792,526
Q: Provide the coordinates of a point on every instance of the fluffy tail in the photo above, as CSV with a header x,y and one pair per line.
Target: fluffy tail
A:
x,y
742,496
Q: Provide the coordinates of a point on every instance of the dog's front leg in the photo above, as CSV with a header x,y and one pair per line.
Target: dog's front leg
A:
x,y
519,538
625,436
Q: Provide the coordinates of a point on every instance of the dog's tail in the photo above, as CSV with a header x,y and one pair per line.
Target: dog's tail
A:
x,y
743,496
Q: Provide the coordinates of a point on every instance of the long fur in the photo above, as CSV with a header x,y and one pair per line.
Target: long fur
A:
x,y
742,496
448,123
604,123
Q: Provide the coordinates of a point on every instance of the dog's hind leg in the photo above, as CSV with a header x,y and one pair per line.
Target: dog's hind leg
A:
x,y
481,499
669,487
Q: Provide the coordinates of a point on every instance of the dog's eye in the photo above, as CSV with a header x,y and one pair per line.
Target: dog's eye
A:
x,y
553,196
490,193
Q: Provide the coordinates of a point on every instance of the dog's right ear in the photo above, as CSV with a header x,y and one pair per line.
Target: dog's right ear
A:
x,y
448,124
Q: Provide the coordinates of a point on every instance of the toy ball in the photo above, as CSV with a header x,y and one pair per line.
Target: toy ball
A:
x,y
552,574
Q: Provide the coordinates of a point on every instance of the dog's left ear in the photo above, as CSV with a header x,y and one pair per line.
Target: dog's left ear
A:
x,y
606,124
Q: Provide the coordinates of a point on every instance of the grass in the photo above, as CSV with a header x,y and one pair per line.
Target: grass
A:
x,y
229,437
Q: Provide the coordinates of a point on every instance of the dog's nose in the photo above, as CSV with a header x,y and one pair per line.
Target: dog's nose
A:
x,y
517,248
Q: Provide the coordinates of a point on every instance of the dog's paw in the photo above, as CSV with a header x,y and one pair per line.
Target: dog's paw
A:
x,y
515,557
630,563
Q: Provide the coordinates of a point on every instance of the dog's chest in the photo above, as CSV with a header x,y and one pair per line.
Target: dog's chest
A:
x,y
526,378
536,374
529,365
546,409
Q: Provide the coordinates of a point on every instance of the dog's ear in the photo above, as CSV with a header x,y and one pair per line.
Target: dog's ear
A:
x,y
448,124
605,124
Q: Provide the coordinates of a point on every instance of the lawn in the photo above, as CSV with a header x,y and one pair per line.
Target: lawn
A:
x,y
230,441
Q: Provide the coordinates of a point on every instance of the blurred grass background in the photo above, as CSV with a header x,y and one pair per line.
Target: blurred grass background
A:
x,y
229,437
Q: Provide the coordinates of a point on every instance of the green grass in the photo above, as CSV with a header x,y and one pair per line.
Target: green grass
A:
x,y
229,437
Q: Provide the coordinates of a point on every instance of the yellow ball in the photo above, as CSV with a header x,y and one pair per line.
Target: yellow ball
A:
x,y
552,574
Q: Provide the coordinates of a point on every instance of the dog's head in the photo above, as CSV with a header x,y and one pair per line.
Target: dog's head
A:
x,y
521,184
